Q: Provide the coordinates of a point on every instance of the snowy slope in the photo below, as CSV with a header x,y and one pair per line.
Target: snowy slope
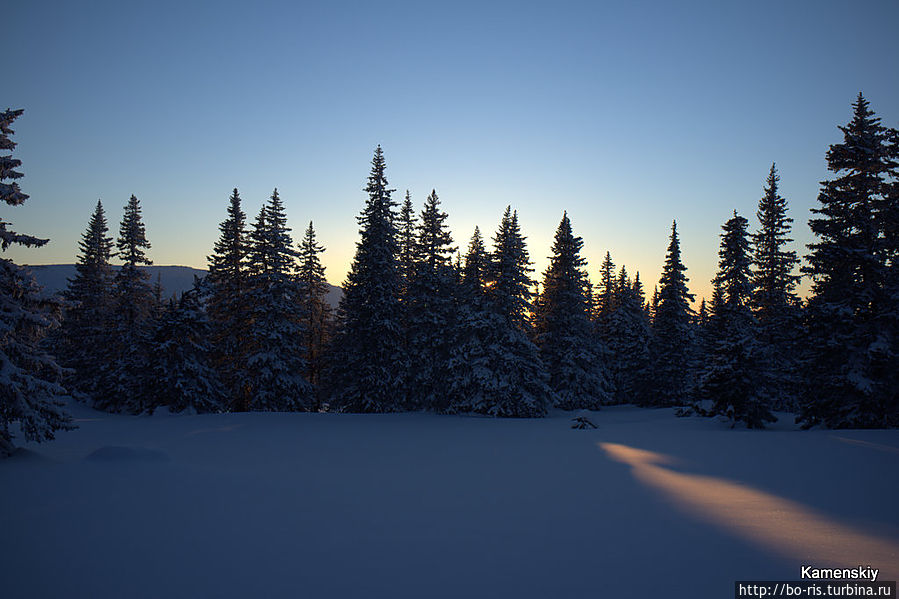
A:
x,y
174,279
417,505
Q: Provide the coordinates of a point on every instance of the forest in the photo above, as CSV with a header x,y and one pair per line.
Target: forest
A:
x,y
426,325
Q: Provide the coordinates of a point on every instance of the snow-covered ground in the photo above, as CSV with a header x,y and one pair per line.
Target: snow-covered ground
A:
x,y
419,505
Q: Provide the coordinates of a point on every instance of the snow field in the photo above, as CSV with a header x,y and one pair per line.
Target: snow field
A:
x,y
419,505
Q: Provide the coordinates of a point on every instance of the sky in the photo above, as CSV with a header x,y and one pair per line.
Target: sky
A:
x,y
626,114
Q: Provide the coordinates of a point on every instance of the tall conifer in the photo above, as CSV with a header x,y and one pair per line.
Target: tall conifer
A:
x,y
564,332
225,285
122,386
430,310
672,331
734,375
30,390
407,242
369,362
84,334
317,320
628,334
274,348
854,307
774,300
493,369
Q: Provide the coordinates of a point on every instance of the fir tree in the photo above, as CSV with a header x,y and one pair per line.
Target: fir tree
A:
x,y
852,313
493,367
430,310
122,385
10,192
226,285
628,342
672,331
652,306
182,374
474,273
702,316
605,294
508,273
640,294
564,332
84,334
733,376
407,240
774,299
317,321
274,346
30,393
369,362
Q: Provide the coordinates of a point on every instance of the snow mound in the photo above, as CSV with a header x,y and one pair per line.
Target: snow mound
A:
x,y
113,453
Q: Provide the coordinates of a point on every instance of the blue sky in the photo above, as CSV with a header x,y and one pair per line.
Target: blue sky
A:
x,y
625,114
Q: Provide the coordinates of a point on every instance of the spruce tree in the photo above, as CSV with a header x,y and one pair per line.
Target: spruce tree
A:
x,y
628,342
122,375
640,294
84,334
429,309
508,273
317,320
274,342
225,286
407,240
774,300
652,306
605,294
182,374
30,390
702,316
672,331
369,362
493,368
474,272
733,378
470,382
852,313
564,333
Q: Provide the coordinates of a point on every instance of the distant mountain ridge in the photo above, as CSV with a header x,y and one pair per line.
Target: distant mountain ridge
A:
x,y
175,280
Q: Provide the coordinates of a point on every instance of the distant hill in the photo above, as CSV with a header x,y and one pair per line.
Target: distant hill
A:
x,y
174,279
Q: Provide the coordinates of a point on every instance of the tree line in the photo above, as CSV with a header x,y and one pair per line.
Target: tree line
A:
x,y
421,326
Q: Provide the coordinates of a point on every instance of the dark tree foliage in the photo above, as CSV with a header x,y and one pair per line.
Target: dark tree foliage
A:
x,y
564,332
702,316
84,334
407,241
652,306
474,272
733,375
10,191
774,300
30,390
369,362
509,285
494,369
628,342
852,377
122,383
672,331
274,347
430,309
316,310
182,375
225,286
605,293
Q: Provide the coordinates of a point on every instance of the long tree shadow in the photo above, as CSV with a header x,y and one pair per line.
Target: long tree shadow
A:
x,y
784,526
